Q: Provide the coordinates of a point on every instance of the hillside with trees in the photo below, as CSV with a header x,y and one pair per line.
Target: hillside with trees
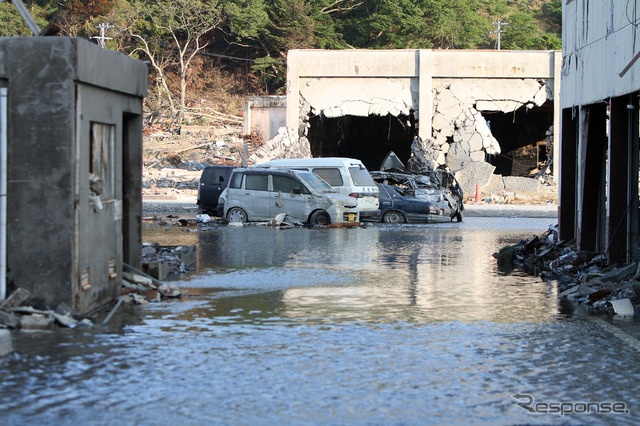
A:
x,y
217,52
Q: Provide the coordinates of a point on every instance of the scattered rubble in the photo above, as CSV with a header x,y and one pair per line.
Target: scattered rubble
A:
x,y
583,277
161,262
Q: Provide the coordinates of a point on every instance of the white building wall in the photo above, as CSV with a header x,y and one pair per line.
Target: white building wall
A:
x,y
601,48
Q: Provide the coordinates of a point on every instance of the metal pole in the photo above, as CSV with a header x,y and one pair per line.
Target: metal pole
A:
x,y
4,92
499,30
28,19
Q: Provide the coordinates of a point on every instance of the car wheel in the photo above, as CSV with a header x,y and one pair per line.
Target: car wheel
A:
x,y
320,217
393,217
236,214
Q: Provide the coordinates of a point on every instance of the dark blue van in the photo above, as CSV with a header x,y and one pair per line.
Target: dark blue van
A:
x,y
213,181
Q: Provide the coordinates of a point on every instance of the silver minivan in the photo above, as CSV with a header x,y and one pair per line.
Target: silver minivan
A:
x,y
256,194
346,175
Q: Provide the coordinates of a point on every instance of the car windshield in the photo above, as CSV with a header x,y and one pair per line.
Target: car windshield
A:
x,y
314,182
361,176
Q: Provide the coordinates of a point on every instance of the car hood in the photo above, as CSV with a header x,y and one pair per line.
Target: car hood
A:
x,y
345,200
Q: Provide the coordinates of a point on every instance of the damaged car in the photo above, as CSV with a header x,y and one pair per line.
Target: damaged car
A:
x,y
439,187
398,208
260,194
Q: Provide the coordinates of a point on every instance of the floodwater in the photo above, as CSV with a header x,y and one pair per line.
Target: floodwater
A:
x,y
379,325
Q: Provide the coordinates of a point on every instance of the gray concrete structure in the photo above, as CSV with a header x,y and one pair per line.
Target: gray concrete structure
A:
x,y
74,121
599,101
264,115
363,103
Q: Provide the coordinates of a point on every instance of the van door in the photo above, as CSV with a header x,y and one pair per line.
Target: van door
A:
x,y
290,196
257,197
212,182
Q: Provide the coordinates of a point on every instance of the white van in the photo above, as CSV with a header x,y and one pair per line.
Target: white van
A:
x,y
347,175
261,194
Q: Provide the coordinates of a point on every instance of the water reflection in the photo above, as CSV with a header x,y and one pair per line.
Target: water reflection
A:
x,y
380,273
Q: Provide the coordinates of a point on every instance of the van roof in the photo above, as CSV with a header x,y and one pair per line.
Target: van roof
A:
x,y
324,161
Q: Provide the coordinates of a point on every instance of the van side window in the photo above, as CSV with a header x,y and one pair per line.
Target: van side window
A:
x,y
331,175
361,176
236,180
285,184
257,182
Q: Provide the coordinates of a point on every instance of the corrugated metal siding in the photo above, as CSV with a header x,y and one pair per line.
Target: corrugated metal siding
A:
x,y
599,41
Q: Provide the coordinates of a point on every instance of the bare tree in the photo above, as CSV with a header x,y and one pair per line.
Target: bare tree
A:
x,y
171,32
187,21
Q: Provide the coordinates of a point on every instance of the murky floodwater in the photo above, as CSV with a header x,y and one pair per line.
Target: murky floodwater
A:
x,y
382,325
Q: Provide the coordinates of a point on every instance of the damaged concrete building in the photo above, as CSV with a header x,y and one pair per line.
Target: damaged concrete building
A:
x,y
71,117
599,100
484,110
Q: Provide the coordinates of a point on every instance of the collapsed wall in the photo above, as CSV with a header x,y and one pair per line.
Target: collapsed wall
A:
x,y
460,132
459,108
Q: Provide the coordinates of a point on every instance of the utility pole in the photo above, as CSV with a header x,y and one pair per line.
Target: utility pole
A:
x,y
499,30
101,38
28,19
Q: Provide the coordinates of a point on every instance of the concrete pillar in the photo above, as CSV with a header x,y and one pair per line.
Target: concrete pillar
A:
x,y
293,94
634,164
132,188
567,166
425,95
623,180
557,122
593,180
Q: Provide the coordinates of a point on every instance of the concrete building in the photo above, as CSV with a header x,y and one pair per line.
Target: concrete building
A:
x,y
72,126
599,100
466,106
263,116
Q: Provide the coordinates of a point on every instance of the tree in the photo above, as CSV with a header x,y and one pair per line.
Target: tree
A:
x,y
12,24
173,31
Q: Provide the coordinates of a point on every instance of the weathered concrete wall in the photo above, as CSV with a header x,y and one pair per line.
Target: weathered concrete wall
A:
x,y
446,91
600,104
57,87
264,115
599,50
459,128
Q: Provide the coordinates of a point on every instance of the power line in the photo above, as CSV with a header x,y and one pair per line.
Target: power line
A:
x,y
499,30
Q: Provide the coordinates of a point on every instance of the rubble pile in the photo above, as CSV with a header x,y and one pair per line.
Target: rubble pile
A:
x,y
173,159
141,290
583,277
160,262
14,314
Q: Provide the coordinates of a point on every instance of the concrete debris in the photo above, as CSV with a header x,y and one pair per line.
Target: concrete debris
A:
x,y
6,345
283,145
622,307
15,299
161,262
36,322
476,173
582,276
14,315
203,218
169,290
8,320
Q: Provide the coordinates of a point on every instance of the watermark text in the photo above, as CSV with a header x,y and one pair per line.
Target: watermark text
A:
x,y
527,402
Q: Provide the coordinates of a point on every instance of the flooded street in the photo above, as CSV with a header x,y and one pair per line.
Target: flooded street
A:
x,y
379,325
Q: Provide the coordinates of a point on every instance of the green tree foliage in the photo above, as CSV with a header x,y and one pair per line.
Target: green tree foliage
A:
x,y
264,30
12,24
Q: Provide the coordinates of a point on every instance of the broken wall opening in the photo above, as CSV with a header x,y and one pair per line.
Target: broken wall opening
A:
x,y
523,138
368,139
